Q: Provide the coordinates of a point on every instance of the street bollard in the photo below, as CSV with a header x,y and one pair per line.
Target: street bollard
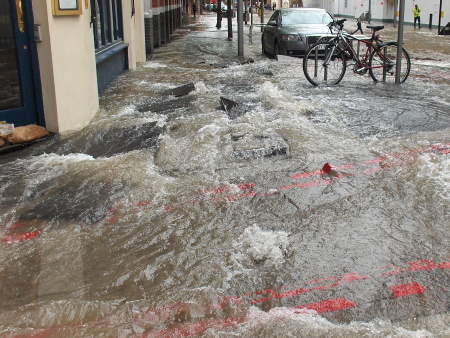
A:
x,y
262,15
245,12
430,25
229,20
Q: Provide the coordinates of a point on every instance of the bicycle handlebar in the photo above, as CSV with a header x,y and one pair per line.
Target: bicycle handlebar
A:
x,y
340,25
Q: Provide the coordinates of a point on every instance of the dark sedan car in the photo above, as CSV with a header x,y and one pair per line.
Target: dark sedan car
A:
x,y
290,31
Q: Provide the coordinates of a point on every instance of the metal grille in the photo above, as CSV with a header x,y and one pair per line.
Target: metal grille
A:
x,y
313,39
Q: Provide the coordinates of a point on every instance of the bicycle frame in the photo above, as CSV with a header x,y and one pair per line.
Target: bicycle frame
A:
x,y
362,63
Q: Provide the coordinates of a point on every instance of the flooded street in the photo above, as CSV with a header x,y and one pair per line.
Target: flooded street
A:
x,y
166,217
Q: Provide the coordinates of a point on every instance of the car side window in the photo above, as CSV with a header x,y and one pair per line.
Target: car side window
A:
x,y
274,18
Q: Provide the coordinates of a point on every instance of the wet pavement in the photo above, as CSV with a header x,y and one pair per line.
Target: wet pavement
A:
x,y
165,217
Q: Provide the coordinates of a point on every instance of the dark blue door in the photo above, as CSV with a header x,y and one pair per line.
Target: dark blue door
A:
x,y
17,90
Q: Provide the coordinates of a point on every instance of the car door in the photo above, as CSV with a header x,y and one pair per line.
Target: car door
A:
x,y
270,31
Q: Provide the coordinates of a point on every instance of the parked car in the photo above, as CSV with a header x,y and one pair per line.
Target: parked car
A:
x,y
290,31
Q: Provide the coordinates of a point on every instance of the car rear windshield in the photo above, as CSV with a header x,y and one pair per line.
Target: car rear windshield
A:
x,y
305,18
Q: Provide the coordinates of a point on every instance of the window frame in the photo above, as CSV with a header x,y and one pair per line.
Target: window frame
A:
x,y
106,20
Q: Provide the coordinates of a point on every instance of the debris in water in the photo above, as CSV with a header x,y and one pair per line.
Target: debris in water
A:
x,y
257,146
27,133
180,91
247,61
326,169
233,109
167,106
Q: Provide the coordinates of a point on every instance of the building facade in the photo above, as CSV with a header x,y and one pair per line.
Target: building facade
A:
x,y
384,10
58,56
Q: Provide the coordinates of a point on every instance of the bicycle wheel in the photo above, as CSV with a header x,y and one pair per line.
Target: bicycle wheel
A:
x,y
319,74
383,64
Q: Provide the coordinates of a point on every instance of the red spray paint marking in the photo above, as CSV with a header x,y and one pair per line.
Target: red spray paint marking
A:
x,y
422,265
335,283
352,277
306,185
441,148
409,289
248,187
395,270
444,265
170,312
193,329
15,238
330,305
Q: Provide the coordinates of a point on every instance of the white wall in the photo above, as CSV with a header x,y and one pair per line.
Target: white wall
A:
x,y
382,10
134,32
313,3
67,68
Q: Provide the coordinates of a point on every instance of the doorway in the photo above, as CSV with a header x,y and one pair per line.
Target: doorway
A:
x,y
19,82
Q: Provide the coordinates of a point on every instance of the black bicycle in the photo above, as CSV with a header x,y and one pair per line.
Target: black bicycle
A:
x,y
325,63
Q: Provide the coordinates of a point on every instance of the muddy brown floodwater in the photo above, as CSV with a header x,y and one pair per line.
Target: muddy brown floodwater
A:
x,y
166,218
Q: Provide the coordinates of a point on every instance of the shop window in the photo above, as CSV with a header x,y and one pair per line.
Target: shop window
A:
x,y
107,22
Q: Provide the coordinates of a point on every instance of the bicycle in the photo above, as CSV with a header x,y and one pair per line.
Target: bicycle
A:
x,y
325,63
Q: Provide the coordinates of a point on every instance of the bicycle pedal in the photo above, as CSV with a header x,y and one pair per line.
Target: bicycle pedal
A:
x,y
361,70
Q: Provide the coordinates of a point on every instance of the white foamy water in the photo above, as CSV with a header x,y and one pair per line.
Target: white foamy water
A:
x,y
127,110
48,166
284,322
153,64
274,98
201,88
437,169
431,63
199,151
263,246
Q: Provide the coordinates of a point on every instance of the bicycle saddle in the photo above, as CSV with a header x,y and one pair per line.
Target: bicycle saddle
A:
x,y
376,28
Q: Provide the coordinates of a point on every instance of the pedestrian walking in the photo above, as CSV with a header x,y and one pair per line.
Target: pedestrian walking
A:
x,y
416,12
274,6
219,14
194,8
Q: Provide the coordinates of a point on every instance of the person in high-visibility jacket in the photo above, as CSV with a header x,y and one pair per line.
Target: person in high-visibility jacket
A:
x,y
416,12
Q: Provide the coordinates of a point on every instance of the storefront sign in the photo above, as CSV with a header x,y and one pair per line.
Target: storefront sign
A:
x,y
66,7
